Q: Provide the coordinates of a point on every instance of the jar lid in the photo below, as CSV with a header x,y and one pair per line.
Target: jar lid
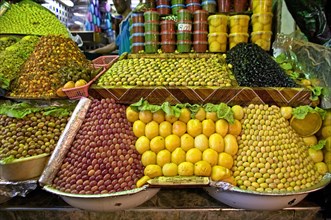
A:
x,y
137,44
137,24
136,35
193,4
163,6
209,2
217,17
178,5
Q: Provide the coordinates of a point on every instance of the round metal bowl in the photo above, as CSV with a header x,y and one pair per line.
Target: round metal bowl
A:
x,y
107,202
251,200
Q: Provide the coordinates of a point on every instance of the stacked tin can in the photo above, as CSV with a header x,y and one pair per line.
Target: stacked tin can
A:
x,y
137,32
218,36
152,32
176,5
184,31
193,5
238,29
262,23
209,5
168,36
200,31
163,7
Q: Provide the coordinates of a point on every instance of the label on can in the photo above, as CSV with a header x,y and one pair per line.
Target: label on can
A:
x,y
185,27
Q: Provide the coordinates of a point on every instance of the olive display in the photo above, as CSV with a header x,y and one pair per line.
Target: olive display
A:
x,y
30,18
12,59
254,67
271,155
32,135
102,157
212,71
55,61
7,41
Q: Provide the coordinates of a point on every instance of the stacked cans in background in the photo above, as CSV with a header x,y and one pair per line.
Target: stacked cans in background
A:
x,y
176,5
168,36
193,5
137,32
218,34
163,7
184,31
200,31
152,31
209,5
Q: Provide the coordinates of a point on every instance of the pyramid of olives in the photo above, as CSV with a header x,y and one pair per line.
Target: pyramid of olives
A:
x,y
271,157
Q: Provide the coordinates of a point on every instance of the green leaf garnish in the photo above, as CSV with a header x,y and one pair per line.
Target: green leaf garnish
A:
x,y
319,145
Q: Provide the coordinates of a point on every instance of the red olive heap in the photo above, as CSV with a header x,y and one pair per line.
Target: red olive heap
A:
x,y
102,158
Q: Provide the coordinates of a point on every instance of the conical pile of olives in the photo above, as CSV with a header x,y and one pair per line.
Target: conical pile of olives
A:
x,y
55,60
271,157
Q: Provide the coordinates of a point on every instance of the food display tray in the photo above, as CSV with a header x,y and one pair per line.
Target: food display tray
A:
x,y
280,96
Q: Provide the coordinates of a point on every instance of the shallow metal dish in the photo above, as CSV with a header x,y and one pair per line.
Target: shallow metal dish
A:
x,y
251,200
107,202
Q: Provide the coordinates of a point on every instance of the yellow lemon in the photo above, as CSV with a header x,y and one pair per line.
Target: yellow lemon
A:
x,y
194,127
60,93
235,128
211,156
215,21
163,157
131,115
212,38
186,142
158,116
225,160
326,131
171,118
148,157
328,144
165,128
200,114
310,140
212,116
157,144
315,155
238,112
216,142
80,82
327,119
185,115
151,129
286,112
142,181
172,142
153,170
222,127
219,173
145,116
321,167
142,144
179,128
202,168
208,127
139,128
193,155
170,169
186,169
178,156
201,142
230,144
69,85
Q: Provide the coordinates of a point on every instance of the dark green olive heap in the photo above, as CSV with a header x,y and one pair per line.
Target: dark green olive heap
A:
x,y
55,60
30,18
211,71
102,157
6,42
12,59
271,157
32,135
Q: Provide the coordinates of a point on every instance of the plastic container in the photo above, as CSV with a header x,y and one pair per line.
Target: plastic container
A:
x,y
200,36
152,36
240,5
184,15
151,26
135,48
184,26
168,25
176,7
151,16
137,28
261,6
238,23
200,26
168,36
218,23
217,42
200,46
137,18
209,5
184,46
137,38
184,36
224,5
200,15
176,2
163,9
236,38
192,7
151,47
262,22
104,61
262,38
168,47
